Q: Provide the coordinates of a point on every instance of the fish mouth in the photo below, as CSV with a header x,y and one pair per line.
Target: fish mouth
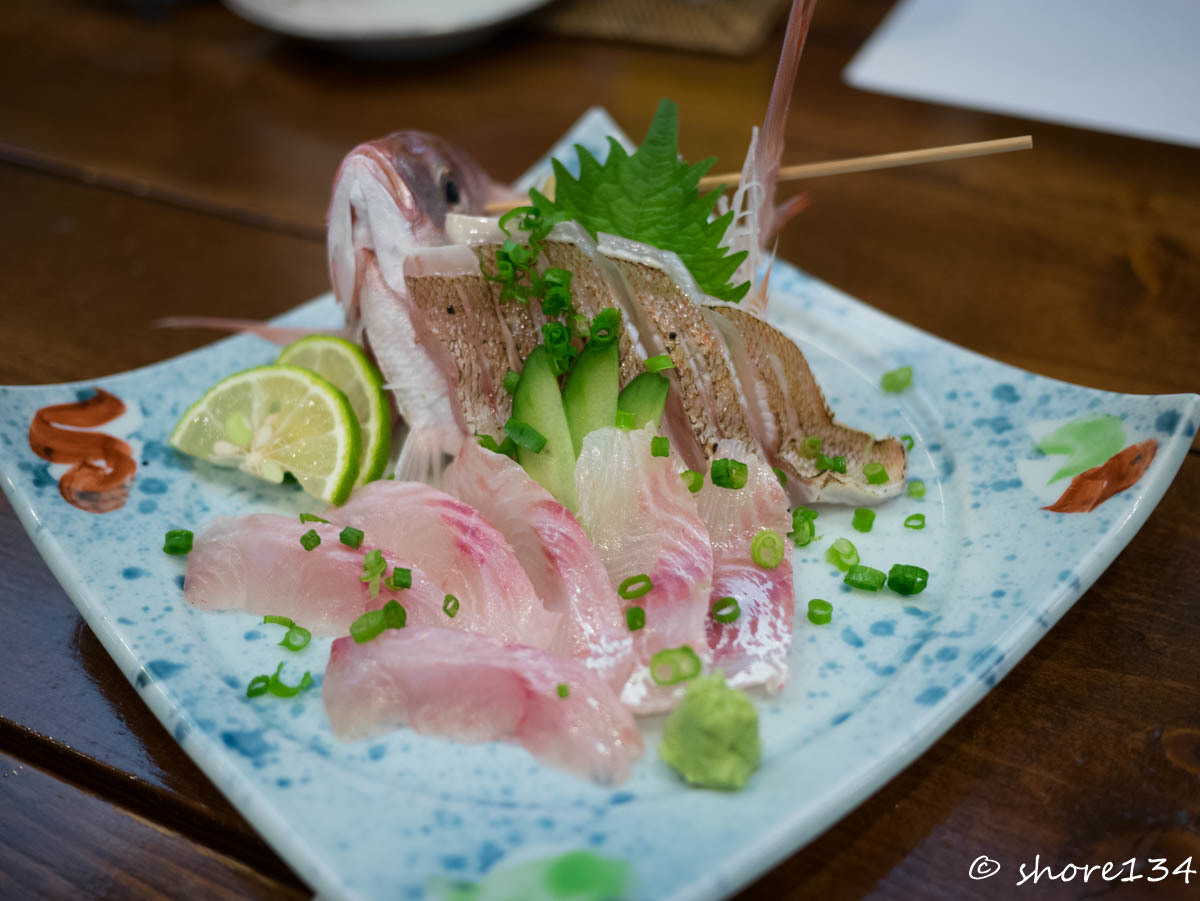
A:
x,y
384,171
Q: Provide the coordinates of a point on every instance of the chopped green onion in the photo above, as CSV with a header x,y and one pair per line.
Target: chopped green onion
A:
x,y
258,686
635,618
916,488
865,577
842,554
370,625
506,447
625,420
728,473
178,542
374,566
781,475
904,579
916,521
659,363
834,464
278,620
281,689
312,517
812,446
394,615
726,610
450,606
876,473
897,380
557,339
660,446
694,480
635,587
400,579
674,665
907,441
819,612
563,689
296,638
863,520
310,540
605,327
510,381
524,435
767,549
351,537
803,532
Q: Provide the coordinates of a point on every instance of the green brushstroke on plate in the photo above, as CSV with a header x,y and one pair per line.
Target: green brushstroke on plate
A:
x,y
1085,442
574,876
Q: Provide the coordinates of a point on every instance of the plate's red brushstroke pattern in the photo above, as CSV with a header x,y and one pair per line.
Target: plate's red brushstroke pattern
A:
x,y
104,465
1090,489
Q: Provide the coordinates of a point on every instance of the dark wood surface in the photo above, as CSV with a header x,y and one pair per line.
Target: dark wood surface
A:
x,y
182,165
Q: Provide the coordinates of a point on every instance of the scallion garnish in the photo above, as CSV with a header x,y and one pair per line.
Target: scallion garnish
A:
x,y
510,381
660,446
524,435
635,618
659,363
312,517
310,540
296,638
819,611
811,446
274,620
842,554
370,625
804,527
907,441
897,380
865,577
876,473
674,665
863,520
400,579
905,579
374,566
394,615
606,326
625,420
694,480
178,542
831,464
728,473
916,521
563,689
726,610
351,537
767,549
635,587
258,686
916,488
450,606
781,475
281,689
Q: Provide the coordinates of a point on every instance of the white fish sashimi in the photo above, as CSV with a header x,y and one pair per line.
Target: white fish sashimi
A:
x,y
753,649
643,520
257,564
556,554
470,558
470,688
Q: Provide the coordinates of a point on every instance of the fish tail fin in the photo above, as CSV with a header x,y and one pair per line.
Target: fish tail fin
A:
x,y
276,334
423,457
756,300
786,211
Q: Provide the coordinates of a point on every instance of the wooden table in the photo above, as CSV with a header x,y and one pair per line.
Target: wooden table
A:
x,y
183,166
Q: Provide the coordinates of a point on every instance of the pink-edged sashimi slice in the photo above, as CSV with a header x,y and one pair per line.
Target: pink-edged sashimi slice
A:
x,y
643,520
257,564
471,688
753,649
556,554
454,544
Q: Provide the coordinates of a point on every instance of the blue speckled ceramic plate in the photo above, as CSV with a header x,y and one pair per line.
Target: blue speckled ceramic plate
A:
x,y
413,817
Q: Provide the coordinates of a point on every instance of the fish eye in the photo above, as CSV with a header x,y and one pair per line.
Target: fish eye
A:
x,y
450,190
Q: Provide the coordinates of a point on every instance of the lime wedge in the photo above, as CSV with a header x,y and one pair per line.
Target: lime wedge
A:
x,y
273,420
346,366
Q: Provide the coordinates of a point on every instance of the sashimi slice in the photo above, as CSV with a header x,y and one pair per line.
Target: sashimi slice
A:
x,y
642,519
753,649
256,564
556,554
453,542
470,688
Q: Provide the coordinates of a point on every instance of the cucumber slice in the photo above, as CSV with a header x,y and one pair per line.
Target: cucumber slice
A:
x,y
538,403
589,397
645,398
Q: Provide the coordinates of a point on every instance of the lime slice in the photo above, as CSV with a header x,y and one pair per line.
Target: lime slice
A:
x,y
272,420
346,366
